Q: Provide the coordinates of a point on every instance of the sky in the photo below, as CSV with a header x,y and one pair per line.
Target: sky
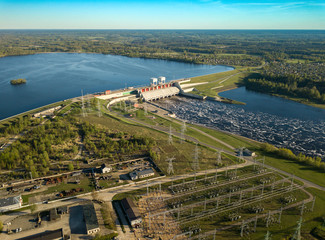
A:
x,y
164,14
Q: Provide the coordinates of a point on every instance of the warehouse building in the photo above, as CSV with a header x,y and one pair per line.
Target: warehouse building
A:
x,y
10,203
90,219
132,212
138,174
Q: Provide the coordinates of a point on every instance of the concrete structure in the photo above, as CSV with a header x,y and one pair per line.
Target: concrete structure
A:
x,y
153,81
105,168
10,203
136,174
160,93
90,219
48,235
47,112
161,80
131,211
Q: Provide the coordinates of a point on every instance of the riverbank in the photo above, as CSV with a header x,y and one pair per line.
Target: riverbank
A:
x,y
299,100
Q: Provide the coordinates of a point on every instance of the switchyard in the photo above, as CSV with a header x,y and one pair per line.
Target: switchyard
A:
x,y
239,200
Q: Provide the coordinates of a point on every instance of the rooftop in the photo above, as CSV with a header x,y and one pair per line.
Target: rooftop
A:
x,y
9,201
145,171
130,209
90,216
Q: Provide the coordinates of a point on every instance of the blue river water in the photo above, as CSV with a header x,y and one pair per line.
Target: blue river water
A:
x,y
53,77
265,118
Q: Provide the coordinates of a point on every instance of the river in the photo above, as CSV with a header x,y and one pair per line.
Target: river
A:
x,y
265,118
54,77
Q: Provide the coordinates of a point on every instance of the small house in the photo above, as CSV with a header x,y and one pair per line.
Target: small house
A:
x,y
105,168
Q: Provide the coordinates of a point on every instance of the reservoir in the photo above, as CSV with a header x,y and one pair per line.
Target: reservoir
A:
x,y
265,118
54,77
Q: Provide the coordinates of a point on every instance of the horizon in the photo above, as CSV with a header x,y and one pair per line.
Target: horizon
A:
x,y
156,29
162,15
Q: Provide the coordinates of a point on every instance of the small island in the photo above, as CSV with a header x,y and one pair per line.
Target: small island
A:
x,y
18,81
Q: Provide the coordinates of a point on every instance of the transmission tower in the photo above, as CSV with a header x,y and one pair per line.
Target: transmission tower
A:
x,y
99,108
297,234
83,104
88,103
183,129
267,236
219,157
170,169
170,137
241,149
196,158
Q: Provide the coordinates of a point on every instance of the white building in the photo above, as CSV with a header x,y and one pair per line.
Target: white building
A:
x,y
153,81
161,80
10,203
105,168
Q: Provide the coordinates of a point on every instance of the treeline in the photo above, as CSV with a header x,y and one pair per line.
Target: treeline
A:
x,y
288,154
195,46
291,79
291,90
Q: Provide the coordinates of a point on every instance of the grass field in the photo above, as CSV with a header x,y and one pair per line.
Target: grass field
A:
x,y
298,169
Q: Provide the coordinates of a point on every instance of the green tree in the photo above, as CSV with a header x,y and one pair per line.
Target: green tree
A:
x,y
70,167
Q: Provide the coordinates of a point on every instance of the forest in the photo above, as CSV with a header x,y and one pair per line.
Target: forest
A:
x,y
301,80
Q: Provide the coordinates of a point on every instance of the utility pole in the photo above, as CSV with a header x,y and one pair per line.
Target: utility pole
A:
x,y
83,104
268,236
170,137
297,234
313,204
183,130
196,158
99,108
280,215
219,158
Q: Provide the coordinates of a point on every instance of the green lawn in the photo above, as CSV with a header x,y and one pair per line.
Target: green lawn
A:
x,y
298,169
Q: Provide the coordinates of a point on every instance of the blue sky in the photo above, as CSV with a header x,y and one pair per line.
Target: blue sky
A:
x,y
165,14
